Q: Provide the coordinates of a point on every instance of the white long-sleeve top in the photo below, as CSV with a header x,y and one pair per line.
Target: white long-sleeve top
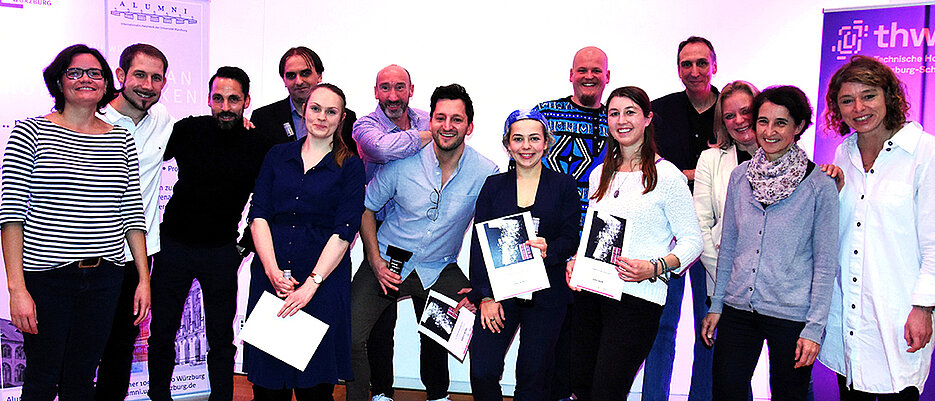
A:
x,y
887,258
712,174
654,218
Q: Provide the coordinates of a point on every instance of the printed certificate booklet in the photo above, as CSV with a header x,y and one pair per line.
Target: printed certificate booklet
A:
x,y
292,339
603,239
514,268
449,327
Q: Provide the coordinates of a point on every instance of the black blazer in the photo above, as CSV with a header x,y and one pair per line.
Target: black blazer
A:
x,y
557,208
269,121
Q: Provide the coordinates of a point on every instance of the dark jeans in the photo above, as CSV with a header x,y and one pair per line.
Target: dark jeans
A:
x,y
174,268
540,327
113,373
321,392
657,374
74,311
559,372
368,303
611,340
380,353
740,336
847,394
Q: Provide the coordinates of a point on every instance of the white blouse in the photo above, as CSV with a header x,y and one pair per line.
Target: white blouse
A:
x,y
887,258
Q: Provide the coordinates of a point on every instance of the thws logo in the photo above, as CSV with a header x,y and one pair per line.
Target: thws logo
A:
x,y
153,12
850,37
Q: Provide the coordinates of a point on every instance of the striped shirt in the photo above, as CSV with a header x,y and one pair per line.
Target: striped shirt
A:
x,y
76,194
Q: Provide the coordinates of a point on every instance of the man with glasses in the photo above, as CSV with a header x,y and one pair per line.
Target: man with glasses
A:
x,y
393,131
433,193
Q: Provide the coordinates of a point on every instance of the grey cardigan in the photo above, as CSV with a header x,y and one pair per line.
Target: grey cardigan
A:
x,y
781,260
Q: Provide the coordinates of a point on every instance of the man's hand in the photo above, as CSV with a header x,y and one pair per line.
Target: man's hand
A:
x,y
247,124
23,312
805,352
918,331
386,278
708,326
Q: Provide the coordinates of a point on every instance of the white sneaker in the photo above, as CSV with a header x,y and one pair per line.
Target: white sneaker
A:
x,y
381,397
442,399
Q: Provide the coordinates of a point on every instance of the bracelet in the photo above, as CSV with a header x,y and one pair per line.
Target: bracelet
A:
x,y
486,300
655,270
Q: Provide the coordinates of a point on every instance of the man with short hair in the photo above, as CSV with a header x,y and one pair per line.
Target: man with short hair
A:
x,y
300,69
141,74
393,131
684,123
218,163
579,123
433,193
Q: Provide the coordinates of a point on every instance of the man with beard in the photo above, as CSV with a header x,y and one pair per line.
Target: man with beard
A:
x,y
141,73
300,69
433,192
579,124
684,123
393,131
218,162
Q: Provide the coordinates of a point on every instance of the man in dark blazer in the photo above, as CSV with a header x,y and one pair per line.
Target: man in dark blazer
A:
x,y
300,69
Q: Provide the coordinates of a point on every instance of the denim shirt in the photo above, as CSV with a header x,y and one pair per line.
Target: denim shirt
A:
x,y
781,260
415,185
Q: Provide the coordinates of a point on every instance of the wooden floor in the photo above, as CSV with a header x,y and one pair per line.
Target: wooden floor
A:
x,y
244,392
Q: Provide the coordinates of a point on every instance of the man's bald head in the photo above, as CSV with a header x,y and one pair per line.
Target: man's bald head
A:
x,y
392,90
588,76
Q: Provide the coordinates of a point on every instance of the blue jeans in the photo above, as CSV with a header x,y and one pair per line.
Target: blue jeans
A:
x,y
657,373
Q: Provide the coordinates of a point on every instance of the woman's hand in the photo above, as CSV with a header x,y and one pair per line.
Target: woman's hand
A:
x,y
569,267
708,326
634,269
282,285
491,314
23,312
805,352
835,172
141,302
538,243
298,298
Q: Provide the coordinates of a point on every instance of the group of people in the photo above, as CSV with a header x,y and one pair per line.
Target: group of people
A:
x,y
833,262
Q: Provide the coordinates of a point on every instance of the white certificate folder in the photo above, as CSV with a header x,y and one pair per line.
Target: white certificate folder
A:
x,y
450,327
514,268
292,339
603,239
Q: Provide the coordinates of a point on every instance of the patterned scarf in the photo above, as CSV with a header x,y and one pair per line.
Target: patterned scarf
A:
x,y
775,181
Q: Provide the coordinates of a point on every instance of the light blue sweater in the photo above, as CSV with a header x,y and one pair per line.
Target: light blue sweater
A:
x,y
780,261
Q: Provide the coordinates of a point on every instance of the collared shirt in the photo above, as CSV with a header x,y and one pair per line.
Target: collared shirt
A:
x,y
380,141
682,133
415,185
887,262
779,261
298,122
151,136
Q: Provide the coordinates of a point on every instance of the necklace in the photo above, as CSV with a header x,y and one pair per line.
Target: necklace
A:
x,y
623,181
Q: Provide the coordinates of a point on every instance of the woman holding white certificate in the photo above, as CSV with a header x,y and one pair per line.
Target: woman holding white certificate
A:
x,y
305,210
552,199
612,338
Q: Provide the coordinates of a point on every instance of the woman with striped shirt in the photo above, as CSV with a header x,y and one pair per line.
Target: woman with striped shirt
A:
x,y
71,196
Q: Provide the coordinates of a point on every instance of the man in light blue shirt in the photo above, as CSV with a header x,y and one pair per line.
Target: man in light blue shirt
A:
x,y
434,193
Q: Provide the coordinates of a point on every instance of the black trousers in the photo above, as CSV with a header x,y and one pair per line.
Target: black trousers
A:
x,y
113,373
321,392
848,394
539,332
174,268
740,336
380,353
74,311
611,341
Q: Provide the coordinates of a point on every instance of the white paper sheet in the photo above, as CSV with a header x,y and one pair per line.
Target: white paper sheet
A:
x,y
292,339
603,238
513,268
449,327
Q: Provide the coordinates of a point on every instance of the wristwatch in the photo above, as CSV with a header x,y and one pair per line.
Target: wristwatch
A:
x,y
316,278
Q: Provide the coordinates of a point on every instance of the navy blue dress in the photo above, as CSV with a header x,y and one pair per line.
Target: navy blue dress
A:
x,y
304,209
